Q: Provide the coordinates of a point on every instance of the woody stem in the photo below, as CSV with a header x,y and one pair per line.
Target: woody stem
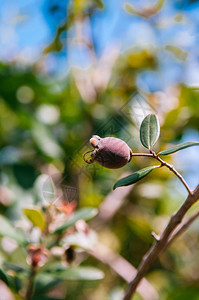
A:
x,y
172,169
164,163
30,288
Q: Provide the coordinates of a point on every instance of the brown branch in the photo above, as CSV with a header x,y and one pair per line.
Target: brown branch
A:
x,y
123,268
182,228
159,245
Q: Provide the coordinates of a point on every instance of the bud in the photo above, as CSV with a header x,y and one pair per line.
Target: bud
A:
x,y
110,152
37,255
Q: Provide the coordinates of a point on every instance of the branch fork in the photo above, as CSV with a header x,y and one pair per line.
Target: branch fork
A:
x,y
163,241
165,164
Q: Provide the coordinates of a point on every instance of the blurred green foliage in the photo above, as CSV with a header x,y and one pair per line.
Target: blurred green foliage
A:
x,y
45,126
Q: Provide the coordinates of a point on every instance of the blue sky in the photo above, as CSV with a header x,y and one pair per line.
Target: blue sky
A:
x,y
26,27
26,19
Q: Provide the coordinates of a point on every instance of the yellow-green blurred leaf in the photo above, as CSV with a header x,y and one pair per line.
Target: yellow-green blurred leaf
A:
x,y
35,216
179,53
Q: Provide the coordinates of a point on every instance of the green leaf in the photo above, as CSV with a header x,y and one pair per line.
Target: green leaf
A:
x,y
16,268
45,140
82,273
3,277
99,3
15,284
129,8
7,229
85,213
133,178
44,283
35,216
178,147
75,273
15,281
25,175
149,131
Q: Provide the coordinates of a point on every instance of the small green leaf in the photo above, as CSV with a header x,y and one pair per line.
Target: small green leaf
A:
x,y
75,273
129,8
3,277
8,229
11,282
82,273
44,283
16,268
85,213
15,281
35,216
178,147
25,175
99,3
133,178
45,140
149,131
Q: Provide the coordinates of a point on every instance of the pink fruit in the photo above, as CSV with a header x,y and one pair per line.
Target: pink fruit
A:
x,y
110,152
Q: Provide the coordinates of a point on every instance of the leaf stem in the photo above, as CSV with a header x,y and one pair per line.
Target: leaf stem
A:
x,y
141,154
30,287
172,169
164,163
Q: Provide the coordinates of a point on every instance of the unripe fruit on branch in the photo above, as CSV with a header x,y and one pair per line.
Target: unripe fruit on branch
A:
x,y
110,152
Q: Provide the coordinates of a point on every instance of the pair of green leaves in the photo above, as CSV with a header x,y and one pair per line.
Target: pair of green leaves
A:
x,y
149,134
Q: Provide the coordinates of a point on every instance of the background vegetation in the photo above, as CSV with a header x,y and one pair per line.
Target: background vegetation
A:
x,y
93,67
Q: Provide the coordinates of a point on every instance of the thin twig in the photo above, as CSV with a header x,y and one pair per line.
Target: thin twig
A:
x,y
164,163
142,154
172,169
159,245
30,288
182,228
